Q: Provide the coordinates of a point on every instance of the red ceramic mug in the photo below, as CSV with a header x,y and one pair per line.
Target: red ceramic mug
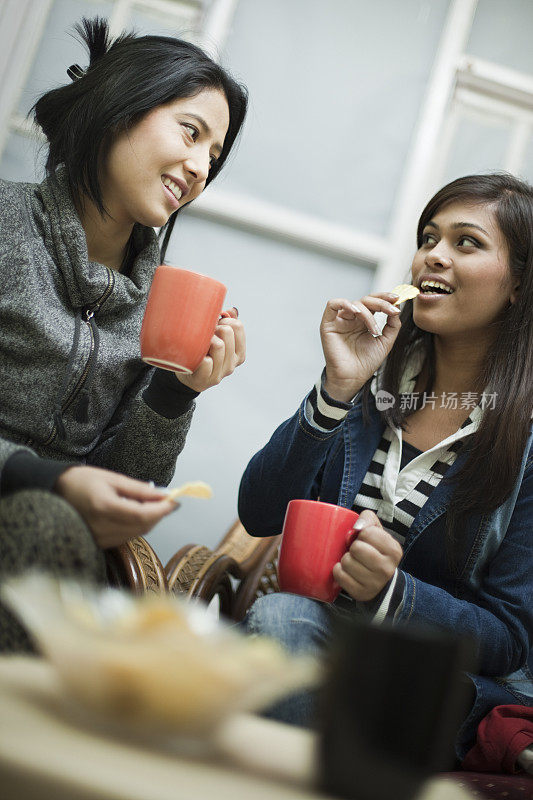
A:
x,y
315,537
181,315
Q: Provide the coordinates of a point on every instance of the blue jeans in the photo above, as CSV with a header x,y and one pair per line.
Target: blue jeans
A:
x,y
305,627
302,626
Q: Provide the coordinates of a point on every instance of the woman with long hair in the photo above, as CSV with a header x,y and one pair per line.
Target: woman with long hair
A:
x,y
87,430
425,430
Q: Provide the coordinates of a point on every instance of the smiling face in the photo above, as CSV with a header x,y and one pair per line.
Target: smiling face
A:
x,y
462,271
163,162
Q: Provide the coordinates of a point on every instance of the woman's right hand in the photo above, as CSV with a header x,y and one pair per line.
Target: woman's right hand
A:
x,y
116,508
352,348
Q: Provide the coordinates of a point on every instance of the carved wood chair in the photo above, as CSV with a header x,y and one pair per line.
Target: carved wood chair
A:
x,y
135,566
240,569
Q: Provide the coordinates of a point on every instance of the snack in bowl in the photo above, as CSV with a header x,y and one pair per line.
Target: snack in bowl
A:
x,y
405,291
152,663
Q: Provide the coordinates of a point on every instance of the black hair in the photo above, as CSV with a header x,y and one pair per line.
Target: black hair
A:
x,y
496,450
126,78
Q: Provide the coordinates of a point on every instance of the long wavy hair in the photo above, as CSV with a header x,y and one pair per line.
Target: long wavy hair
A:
x,y
496,449
126,78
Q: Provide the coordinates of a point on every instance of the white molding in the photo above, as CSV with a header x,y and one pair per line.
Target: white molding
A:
x,y
21,26
119,17
277,222
489,112
517,147
449,129
171,8
491,107
495,81
183,11
177,14
216,25
418,175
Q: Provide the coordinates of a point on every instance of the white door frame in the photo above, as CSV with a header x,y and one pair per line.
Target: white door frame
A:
x,y
415,186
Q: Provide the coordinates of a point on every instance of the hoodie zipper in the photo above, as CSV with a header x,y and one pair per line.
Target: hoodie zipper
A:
x,y
87,315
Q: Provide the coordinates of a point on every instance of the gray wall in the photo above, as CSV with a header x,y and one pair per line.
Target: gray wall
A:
x,y
280,292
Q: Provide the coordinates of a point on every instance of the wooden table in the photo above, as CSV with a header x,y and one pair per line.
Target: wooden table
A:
x,y
51,752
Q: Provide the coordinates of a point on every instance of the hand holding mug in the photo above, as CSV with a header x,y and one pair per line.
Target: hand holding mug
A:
x,y
370,561
352,346
226,352
315,537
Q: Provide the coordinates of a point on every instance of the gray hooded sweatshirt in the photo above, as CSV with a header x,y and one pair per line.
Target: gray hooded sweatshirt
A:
x,y
73,388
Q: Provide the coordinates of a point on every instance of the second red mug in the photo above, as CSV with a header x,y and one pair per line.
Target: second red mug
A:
x,y
315,537
181,315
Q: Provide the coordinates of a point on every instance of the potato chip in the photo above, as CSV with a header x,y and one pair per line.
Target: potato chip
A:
x,y
193,489
151,615
405,292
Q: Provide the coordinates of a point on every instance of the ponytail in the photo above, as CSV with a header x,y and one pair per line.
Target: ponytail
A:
x,y
95,34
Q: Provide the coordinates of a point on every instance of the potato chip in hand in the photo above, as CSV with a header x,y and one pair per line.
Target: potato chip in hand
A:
x,y
192,488
405,292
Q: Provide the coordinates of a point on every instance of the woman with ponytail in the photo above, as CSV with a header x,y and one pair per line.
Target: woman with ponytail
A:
x,y
425,430
87,430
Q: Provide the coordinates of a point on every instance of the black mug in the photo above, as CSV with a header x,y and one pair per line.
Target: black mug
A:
x,y
390,708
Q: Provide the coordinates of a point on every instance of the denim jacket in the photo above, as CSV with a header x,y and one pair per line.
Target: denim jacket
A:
x,y
489,598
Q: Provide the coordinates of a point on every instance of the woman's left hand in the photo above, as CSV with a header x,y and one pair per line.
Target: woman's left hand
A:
x,y
371,560
227,351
